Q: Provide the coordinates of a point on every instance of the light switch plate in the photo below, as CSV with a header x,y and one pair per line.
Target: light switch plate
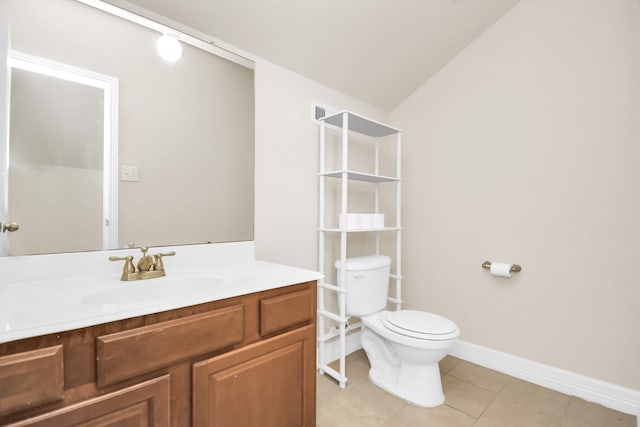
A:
x,y
129,173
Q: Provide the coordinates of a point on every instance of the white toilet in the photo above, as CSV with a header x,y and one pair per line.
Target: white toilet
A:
x,y
403,347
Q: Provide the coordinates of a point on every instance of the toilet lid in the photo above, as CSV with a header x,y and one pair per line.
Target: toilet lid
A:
x,y
420,324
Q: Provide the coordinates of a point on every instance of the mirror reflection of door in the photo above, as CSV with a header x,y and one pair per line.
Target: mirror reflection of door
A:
x,y
55,164
57,158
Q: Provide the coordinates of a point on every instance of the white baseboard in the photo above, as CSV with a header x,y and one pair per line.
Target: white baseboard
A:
x,y
610,395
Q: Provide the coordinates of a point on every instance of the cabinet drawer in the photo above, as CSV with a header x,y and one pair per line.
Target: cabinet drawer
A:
x,y
126,354
31,378
142,405
283,311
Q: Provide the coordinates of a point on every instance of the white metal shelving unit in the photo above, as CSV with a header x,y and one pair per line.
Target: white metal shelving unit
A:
x,y
348,122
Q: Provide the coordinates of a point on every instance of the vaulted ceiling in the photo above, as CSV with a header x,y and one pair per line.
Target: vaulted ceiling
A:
x,y
378,51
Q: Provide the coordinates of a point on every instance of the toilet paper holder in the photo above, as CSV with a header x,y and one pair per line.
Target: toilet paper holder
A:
x,y
515,268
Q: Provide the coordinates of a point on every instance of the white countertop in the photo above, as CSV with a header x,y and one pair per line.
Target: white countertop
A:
x,y
38,307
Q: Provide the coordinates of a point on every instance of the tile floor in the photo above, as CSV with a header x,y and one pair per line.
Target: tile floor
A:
x,y
475,396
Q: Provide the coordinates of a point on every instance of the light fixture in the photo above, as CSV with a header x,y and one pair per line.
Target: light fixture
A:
x,y
169,48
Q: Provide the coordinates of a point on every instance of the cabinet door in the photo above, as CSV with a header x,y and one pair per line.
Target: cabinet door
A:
x,y
145,404
269,384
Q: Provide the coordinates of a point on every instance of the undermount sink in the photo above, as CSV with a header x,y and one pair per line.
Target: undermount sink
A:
x,y
164,288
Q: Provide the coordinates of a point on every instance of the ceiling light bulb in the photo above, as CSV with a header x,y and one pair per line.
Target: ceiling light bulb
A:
x,y
169,48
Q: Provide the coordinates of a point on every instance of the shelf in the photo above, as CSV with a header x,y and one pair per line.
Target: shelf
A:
x,y
364,230
360,176
334,199
361,124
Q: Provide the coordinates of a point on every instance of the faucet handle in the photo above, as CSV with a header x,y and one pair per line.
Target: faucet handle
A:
x,y
172,253
159,263
128,263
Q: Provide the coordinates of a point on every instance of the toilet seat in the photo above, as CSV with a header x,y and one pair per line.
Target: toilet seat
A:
x,y
420,324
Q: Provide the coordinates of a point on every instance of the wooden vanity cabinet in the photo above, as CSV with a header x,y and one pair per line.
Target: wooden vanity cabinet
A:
x,y
243,361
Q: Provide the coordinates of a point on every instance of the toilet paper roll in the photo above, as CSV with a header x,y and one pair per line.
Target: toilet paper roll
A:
x,y
501,269
366,221
350,221
378,221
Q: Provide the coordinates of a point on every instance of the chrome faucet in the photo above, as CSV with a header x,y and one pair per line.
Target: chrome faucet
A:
x,y
148,266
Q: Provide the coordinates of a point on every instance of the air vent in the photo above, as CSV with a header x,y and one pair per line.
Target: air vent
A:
x,y
320,110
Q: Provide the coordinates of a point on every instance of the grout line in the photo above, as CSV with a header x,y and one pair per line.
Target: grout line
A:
x,y
475,385
396,413
460,411
564,413
491,403
509,377
455,363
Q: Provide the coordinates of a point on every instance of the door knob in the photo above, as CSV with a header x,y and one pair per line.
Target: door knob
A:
x,y
12,226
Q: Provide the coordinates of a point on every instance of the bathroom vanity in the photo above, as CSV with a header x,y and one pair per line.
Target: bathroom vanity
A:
x,y
245,356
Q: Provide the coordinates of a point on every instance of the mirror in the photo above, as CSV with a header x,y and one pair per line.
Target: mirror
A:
x,y
185,128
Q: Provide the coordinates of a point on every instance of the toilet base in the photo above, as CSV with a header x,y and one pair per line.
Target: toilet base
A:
x,y
406,367
418,385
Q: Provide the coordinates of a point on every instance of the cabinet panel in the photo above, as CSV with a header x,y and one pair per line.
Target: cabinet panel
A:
x,y
267,384
31,378
145,404
283,311
163,344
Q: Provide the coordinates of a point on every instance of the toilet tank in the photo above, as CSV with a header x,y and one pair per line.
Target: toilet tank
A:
x,y
367,283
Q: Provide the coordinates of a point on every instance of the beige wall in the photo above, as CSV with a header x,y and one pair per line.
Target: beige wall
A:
x,y
287,162
525,149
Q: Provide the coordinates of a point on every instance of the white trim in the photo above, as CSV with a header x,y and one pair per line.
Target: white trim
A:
x,y
5,106
59,70
610,395
110,163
